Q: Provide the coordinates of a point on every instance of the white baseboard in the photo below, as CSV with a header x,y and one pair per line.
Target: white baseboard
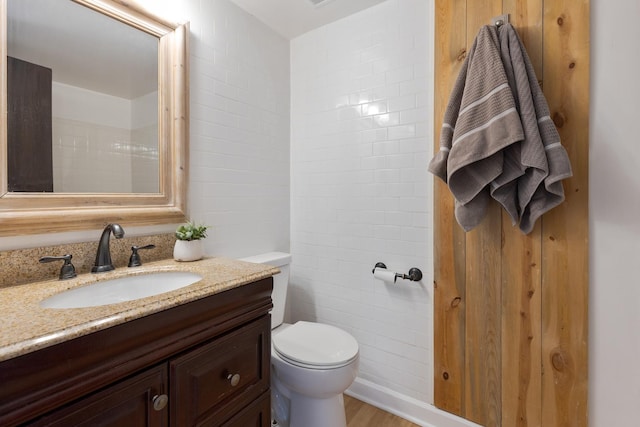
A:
x,y
411,409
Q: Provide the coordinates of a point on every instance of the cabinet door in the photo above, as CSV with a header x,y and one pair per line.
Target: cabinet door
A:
x,y
129,403
217,380
258,414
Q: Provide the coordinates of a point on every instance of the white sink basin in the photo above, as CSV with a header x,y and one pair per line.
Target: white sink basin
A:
x,y
122,289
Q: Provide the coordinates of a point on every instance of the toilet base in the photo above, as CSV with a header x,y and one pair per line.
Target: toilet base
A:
x,y
314,412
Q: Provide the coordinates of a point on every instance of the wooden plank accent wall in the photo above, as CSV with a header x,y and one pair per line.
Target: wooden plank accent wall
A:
x,y
511,309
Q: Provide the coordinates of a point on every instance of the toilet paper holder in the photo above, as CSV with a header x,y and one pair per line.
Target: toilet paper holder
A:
x,y
415,274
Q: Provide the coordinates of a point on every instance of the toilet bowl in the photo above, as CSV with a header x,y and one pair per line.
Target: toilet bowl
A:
x,y
312,364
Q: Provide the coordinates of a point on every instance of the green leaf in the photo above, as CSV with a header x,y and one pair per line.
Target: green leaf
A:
x,y
191,231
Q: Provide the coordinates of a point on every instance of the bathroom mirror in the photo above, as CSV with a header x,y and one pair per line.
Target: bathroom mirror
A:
x,y
94,100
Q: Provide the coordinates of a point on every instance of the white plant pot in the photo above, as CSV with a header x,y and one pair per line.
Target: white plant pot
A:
x,y
188,250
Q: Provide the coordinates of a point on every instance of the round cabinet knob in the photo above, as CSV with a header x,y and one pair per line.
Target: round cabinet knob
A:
x,y
234,379
160,401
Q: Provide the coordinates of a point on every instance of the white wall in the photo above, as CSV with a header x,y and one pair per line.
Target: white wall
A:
x,y
361,137
91,138
76,103
614,209
102,143
239,149
144,111
145,166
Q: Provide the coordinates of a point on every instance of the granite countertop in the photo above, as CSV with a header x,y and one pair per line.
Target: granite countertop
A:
x,y
27,327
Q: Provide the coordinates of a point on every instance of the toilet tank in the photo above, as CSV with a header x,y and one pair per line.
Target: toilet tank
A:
x,y
280,282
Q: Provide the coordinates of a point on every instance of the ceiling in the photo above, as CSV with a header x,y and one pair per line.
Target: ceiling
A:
x,y
83,48
291,18
42,33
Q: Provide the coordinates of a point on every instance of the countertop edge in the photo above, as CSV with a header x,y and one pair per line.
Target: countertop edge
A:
x,y
219,275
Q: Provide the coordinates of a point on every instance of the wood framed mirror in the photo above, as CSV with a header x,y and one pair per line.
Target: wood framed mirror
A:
x,y
27,207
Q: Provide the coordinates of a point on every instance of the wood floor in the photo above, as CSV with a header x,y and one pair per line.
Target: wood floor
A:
x,y
360,414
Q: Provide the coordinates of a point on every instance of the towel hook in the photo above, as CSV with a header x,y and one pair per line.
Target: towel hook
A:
x,y
500,20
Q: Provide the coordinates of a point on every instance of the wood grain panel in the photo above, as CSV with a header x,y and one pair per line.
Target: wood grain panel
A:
x,y
449,264
521,332
565,229
521,264
483,322
519,302
483,293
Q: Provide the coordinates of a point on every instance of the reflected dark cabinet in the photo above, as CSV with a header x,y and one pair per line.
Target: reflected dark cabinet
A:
x,y
29,127
204,363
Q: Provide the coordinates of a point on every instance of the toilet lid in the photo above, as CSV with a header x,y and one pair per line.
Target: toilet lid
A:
x,y
315,345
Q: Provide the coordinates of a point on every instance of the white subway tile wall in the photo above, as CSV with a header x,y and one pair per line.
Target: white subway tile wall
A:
x,y
361,138
90,158
102,143
239,151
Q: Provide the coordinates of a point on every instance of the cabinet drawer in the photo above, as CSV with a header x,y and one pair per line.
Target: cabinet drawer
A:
x,y
214,381
127,403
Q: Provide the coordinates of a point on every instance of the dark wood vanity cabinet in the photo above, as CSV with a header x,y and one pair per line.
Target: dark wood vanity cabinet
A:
x,y
204,363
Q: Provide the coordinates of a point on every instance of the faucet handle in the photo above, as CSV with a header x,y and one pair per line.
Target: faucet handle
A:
x,y
68,271
134,260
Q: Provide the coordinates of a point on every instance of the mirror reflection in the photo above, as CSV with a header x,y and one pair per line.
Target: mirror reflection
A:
x,y
82,95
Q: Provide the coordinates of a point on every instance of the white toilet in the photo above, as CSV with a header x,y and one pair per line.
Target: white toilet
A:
x,y
311,363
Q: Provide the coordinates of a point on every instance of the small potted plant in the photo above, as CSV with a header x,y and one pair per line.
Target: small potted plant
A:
x,y
189,245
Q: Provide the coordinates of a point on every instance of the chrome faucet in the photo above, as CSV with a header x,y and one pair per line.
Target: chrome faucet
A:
x,y
103,256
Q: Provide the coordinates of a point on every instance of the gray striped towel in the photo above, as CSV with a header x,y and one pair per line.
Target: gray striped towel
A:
x,y
542,157
497,139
